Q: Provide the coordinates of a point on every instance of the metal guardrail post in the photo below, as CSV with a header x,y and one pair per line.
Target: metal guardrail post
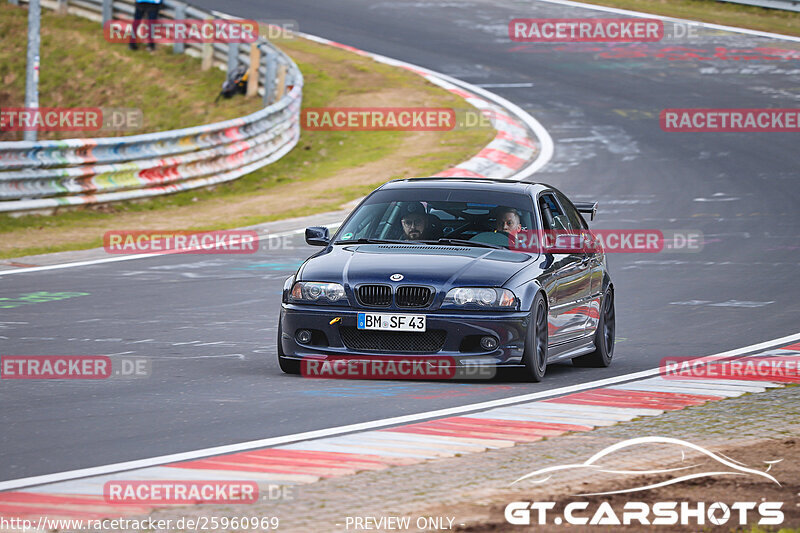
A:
x,y
252,78
32,62
108,9
281,81
180,13
265,81
233,57
272,73
62,7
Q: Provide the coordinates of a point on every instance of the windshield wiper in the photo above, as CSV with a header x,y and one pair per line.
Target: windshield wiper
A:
x,y
463,242
364,240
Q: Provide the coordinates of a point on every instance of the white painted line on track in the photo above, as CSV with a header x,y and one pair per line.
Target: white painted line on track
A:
x,y
503,85
386,422
649,387
570,413
640,14
140,256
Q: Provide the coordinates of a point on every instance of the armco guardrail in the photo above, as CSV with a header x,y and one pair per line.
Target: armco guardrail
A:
x,y
789,5
49,174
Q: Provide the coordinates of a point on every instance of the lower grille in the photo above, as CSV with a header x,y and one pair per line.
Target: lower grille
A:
x,y
430,341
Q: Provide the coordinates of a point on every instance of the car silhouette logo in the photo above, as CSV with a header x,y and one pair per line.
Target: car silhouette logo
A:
x,y
396,277
597,463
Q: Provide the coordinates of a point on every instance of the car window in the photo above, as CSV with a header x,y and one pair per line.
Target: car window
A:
x,y
552,215
432,214
575,219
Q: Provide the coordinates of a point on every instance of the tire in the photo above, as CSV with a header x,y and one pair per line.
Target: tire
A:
x,y
603,338
535,355
288,366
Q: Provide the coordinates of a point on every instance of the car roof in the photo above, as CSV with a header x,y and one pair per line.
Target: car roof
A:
x,y
492,184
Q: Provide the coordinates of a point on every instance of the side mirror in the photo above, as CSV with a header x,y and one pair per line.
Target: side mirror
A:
x,y
318,236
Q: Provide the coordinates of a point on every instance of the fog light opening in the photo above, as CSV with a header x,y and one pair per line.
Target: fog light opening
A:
x,y
303,336
488,343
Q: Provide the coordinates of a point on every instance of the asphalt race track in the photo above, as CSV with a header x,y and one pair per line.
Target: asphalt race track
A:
x,y
208,323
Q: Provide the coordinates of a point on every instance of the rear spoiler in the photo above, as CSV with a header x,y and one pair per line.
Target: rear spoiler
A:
x,y
587,207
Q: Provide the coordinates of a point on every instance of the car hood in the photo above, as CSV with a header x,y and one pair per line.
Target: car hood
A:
x,y
419,264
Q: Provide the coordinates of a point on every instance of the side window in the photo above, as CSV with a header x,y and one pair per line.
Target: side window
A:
x,y
572,214
552,216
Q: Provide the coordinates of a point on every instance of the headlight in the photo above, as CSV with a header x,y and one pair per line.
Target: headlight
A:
x,y
313,291
480,297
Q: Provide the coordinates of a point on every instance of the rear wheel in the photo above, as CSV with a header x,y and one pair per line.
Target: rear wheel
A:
x,y
603,338
288,366
535,356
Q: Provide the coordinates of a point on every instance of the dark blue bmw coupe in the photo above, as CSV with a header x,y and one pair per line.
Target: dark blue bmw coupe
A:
x,y
427,267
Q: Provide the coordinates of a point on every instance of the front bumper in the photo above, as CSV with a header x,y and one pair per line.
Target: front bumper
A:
x,y
460,330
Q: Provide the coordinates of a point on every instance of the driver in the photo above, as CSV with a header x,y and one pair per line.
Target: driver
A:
x,y
416,225
508,220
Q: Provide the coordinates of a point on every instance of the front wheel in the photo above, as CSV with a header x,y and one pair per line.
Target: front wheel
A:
x,y
603,338
535,356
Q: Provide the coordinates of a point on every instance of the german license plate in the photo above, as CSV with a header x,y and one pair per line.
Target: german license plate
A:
x,y
391,322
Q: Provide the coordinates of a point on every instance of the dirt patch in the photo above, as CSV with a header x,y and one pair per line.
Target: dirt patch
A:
x,y
488,515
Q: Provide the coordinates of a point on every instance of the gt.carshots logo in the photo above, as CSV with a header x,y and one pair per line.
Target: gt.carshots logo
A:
x,y
702,464
657,514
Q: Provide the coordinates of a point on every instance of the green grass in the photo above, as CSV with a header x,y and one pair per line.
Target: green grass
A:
x,y
330,75
80,69
729,14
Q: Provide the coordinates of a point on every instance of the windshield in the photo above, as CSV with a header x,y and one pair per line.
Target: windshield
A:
x,y
478,217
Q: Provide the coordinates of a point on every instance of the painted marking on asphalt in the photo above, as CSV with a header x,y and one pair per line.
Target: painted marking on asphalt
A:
x,y
117,259
286,440
671,19
503,85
